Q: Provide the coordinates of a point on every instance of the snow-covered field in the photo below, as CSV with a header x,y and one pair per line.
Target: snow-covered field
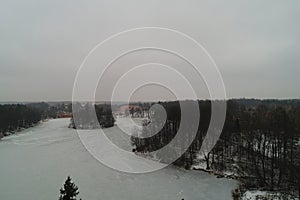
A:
x,y
35,162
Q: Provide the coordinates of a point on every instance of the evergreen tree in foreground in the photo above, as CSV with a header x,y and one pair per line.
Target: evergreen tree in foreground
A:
x,y
69,191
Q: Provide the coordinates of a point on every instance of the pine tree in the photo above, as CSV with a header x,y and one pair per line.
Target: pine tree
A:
x,y
69,191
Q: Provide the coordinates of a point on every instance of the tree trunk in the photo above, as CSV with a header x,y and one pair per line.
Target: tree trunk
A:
x,y
207,161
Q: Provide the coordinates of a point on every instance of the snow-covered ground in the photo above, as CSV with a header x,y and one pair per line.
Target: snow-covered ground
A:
x,y
262,195
35,162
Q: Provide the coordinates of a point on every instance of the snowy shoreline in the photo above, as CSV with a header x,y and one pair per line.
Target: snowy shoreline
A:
x,y
19,130
245,193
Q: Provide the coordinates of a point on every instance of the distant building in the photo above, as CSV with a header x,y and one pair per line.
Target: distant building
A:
x,y
127,108
133,110
65,115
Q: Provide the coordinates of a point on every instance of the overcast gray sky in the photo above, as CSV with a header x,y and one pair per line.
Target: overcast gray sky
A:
x,y
256,44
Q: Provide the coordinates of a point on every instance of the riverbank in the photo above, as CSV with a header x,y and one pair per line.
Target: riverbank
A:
x,y
234,172
19,130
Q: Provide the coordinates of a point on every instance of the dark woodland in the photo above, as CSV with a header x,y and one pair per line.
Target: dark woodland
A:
x,y
260,141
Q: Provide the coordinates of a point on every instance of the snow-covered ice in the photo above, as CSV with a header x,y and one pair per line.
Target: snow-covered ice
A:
x,y
35,163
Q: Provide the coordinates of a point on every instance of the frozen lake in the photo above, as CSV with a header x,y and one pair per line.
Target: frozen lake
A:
x,y
35,163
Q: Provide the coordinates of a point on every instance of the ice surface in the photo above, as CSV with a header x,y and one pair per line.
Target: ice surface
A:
x,y
35,163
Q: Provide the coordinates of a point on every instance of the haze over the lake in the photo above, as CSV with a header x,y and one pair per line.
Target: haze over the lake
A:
x,y
255,44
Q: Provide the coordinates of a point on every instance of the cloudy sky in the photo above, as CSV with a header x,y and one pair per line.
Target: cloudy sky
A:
x,y
256,44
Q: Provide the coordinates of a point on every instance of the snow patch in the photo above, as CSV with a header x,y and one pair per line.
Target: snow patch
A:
x,y
264,195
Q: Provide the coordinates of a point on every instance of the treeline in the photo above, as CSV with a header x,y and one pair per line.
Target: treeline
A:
x,y
84,116
51,110
14,117
261,140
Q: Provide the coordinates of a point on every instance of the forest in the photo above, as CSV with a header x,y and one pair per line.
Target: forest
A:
x,y
259,140
84,119
15,117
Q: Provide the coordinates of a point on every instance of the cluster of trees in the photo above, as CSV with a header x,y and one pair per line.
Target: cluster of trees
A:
x,y
135,109
17,116
167,134
14,117
51,110
261,139
139,109
84,116
264,142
